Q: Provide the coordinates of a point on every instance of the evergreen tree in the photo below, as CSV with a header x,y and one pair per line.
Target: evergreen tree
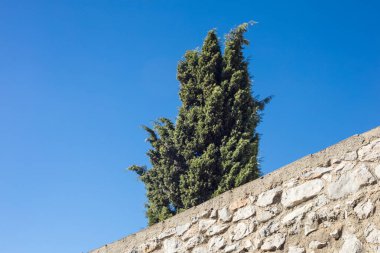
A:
x,y
213,146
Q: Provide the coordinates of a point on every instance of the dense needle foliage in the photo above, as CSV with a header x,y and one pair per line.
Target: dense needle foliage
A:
x,y
213,145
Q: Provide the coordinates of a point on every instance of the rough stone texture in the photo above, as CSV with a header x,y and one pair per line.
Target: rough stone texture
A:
x,y
267,198
351,244
244,213
350,182
294,249
325,202
301,193
273,242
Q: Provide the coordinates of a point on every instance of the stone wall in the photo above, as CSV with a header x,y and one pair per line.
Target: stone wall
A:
x,y
325,202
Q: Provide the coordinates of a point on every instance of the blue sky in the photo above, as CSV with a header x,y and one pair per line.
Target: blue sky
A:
x,y
79,78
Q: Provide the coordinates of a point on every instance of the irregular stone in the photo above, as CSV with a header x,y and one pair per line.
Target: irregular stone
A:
x,y
269,197
275,210
264,216
172,245
301,193
216,243
329,213
217,229
224,215
349,183
204,224
377,171
327,177
273,242
167,233
344,167
241,230
244,213
295,249
350,156
230,248
364,210
376,249
311,223
269,229
351,244
214,214
336,233
150,245
317,245
257,241
290,183
246,245
296,214
181,229
200,250
239,204
194,241
370,152
316,173
190,233
321,201
194,219
372,234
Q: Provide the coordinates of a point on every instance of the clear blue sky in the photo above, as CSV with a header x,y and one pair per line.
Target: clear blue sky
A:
x,y
78,78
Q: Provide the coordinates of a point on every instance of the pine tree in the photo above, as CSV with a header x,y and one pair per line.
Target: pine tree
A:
x,y
213,146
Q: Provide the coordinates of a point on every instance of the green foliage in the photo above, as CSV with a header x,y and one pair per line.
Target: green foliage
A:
x,y
213,146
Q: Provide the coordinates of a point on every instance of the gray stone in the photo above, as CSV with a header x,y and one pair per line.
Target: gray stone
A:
x,y
200,250
296,214
321,201
350,156
269,229
244,213
205,224
364,210
190,233
216,243
217,229
351,244
316,173
214,214
349,183
273,242
295,249
194,241
241,230
377,171
336,233
301,193
230,248
311,223
172,245
269,197
224,215
376,249
372,234
150,245
264,216
317,245
344,167
181,229
370,152
167,233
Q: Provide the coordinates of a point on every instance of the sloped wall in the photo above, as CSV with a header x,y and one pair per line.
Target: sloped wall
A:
x,y
325,202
